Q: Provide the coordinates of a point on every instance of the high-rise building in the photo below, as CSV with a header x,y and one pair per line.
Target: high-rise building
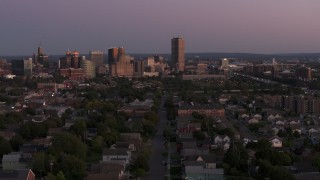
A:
x,y
40,57
112,55
177,53
5,67
75,60
71,60
225,63
139,68
96,57
304,72
40,51
88,67
22,67
122,65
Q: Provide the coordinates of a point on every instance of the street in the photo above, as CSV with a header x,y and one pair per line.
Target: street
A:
x,y
157,169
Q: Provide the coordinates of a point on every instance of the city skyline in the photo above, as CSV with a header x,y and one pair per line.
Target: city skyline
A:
x,y
147,27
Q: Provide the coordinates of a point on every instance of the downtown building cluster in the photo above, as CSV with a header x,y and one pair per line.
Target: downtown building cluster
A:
x,y
78,67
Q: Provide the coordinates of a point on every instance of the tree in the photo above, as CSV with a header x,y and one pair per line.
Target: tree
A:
x,y
166,133
73,167
137,173
111,121
5,147
1,123
98,144
197,115
141,163
31,130
199,135
274,157
79,127
316,162
266,170
151,116
39,164
236,160
16,141
69,144
110,137
148,129
60,176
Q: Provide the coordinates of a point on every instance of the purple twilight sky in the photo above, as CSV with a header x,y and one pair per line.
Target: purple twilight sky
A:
x,y
146,26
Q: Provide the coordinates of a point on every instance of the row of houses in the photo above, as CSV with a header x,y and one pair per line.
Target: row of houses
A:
x,y
116,158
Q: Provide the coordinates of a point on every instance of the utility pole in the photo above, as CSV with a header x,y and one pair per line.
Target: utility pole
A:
x,y
51,164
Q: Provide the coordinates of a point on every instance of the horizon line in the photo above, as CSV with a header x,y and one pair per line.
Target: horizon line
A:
x,y
253,53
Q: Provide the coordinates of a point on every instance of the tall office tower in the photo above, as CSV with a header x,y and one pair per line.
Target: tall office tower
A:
x,y
149,61
75,60
88,67
123,65
304,72
5,67
225,63
22,67
96,57
65,62
71,60
177,53
139,68
40,51
41,57
112,55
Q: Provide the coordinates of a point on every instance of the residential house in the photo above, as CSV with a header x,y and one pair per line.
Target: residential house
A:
x,y
13,161
55,110
275,130
55,131
198,170
137,108
32,148
305,170
293,122
279,122
244,116
7,134
116,155
275,117
208,110
314,138
296,128
91,133
207,143
131,137
103,171
276,142
186,129
236,109
223,142
257,116
21,174
270,117
46,142
69,122
124,145
36,118
209,160
313,130
253,121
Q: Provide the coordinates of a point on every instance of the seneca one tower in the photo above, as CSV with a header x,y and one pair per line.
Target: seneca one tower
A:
x,y
177,53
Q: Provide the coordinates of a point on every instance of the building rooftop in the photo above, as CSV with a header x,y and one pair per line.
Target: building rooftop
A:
x,y
21,174
115,152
